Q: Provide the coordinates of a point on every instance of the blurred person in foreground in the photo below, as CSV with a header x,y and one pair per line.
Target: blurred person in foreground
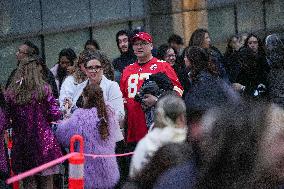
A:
x,y
206,93
166,157
275,57
243,147
169,127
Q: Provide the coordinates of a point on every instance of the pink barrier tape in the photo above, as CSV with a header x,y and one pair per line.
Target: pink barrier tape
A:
x,y
108,156
39,168
55,162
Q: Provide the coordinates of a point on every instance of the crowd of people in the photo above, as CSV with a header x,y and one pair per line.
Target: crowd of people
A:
x,y
194,117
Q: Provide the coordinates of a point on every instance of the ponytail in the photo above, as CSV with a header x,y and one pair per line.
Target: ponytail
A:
x,y
94,95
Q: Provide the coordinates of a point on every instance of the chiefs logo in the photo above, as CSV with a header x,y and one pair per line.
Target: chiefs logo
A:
x,y
153,67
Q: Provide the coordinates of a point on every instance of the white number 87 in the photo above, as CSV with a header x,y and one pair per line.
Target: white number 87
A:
x,y
133,82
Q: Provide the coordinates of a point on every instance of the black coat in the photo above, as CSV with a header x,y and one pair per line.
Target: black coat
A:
x,y
121,62
253,71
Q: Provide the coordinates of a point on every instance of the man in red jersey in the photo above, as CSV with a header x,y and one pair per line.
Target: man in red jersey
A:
x,y
132,79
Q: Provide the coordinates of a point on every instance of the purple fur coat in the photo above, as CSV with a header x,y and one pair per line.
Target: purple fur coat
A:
x,y
98,172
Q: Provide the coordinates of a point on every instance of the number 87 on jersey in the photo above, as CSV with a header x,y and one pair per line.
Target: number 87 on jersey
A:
x,y
135,81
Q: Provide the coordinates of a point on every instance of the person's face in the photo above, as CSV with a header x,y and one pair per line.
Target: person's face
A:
x,y
22,52
272,145
142,49
64,62
91,47
242,40
170,56
94,71
253,44
235,43
187,62
207,41
123,43
82,67
175,46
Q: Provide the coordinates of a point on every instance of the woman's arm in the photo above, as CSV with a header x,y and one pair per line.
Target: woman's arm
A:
x,y
67,91
53,113
69,127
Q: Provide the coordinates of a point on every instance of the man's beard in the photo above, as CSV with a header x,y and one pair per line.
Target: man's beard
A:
x,y
124,47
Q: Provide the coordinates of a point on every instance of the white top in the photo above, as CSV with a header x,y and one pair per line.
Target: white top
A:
x,y
111,91
148,145
54,70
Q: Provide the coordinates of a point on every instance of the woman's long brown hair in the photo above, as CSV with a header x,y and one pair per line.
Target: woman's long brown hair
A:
x,y
200,61
94,98
28,84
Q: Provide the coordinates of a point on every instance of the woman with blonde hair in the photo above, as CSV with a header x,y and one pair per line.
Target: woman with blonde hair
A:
x,y
169,127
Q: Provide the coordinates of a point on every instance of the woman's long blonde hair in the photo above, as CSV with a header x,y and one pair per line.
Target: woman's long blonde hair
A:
x,y
27,84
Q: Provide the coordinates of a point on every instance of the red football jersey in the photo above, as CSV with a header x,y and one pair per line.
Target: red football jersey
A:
x,y
132,79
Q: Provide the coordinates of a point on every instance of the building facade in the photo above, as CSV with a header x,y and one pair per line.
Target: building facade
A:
x,y
56,24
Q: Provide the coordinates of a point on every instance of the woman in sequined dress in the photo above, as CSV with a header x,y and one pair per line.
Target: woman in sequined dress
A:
x,y
31,107
4,173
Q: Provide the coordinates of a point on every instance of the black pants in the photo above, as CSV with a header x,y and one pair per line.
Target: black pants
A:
x,y
3,177
124,161
130,147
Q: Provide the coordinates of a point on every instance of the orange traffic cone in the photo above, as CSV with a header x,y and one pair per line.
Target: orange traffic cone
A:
x,y
76,165
15,185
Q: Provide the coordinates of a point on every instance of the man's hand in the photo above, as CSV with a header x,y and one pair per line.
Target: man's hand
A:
x,y
67,108
67,103
238,87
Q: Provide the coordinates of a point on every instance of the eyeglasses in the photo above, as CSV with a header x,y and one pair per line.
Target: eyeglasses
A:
x,y
142,44
94,68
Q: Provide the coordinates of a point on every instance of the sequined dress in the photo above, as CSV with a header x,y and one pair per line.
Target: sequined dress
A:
x,y
3,159
33,140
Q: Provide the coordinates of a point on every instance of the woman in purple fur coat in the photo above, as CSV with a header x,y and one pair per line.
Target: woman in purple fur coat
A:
x,y
31,107
97,124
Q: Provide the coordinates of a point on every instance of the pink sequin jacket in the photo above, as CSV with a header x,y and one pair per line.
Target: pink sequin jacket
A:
x,y
33,140
3,158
